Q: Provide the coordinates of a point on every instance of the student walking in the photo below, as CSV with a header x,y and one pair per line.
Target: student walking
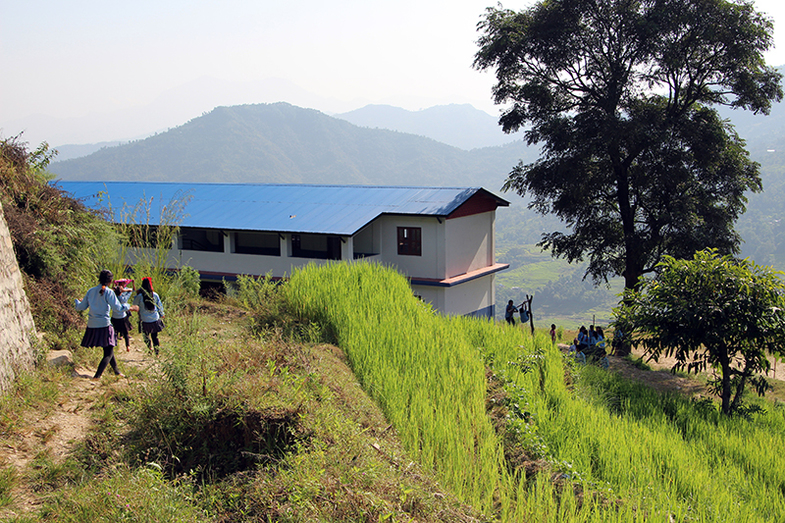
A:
x,y
101,301
121,320
151,313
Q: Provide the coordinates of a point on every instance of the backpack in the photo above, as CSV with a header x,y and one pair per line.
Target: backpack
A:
x,y
524,315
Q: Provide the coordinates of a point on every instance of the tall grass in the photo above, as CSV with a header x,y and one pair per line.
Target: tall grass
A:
x,y
617,451
144,246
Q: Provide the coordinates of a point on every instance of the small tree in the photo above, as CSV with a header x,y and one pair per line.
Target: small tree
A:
x,y
711,311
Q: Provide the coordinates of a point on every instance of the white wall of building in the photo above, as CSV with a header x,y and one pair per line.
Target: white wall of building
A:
x,y
469,243
432,263
473,297
450,248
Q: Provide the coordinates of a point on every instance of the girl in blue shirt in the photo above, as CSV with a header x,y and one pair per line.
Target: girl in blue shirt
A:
x,y
101,301
121,321
151,312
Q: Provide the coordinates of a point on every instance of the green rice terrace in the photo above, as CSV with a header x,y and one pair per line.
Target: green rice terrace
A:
x,y
252,414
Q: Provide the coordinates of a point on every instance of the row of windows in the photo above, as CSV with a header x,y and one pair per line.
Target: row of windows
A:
x,y
316,246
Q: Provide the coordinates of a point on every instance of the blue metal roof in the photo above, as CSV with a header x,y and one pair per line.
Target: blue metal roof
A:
x,y
323,209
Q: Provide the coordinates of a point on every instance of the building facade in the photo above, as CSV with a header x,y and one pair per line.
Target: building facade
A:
x,y
441,239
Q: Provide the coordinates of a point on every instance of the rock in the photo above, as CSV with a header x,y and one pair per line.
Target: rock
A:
x,y
59,358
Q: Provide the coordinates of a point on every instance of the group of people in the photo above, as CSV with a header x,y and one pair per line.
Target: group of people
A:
x,y
109,316
590,343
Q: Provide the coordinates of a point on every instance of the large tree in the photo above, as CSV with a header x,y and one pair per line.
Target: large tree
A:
x,y
620,96
711,312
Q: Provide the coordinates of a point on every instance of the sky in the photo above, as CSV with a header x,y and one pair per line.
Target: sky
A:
x,y
85,71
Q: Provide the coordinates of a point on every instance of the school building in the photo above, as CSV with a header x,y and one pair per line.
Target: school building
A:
x,y
440,238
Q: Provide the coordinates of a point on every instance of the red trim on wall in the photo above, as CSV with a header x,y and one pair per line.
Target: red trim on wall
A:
x,y
477,204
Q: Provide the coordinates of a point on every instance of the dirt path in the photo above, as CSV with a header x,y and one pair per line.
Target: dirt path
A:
x,y
58,430
660,378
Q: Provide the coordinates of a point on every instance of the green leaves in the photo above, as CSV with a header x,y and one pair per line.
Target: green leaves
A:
x,y
619,93
711,311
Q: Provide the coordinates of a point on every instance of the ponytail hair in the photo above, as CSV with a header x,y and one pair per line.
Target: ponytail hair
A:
x,y
105,278
147,293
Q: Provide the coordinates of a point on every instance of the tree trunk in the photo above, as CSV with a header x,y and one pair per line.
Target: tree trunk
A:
x,y
726,372
740,386
739,391
631,277
633,267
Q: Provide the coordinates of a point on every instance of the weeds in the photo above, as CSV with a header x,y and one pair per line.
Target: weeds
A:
x,y
35,390
125,495
8,480
44,474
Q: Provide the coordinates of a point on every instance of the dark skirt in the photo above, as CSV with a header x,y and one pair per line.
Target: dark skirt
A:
x,y
152,326
122,326
100,337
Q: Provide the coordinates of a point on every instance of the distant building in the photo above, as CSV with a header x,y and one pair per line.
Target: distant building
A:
x,y
441,239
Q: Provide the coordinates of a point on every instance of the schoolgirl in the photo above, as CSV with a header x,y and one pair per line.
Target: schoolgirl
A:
x,y
99,332
151,313
121,321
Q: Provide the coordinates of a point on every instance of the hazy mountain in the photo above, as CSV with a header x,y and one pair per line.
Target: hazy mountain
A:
x,y
461,126
281,143
168,109
70,151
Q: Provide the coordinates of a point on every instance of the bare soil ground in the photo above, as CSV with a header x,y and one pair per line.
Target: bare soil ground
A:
x,y
57,431
662,379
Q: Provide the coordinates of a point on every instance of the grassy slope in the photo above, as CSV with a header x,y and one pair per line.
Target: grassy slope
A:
x,y
630,453
285,433
227,425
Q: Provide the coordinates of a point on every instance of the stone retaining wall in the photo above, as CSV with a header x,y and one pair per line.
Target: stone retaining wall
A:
x,y
17,330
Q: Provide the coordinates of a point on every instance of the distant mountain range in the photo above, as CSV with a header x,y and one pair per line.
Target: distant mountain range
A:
x,y
454,145
281,143
71,151
383,145
461,126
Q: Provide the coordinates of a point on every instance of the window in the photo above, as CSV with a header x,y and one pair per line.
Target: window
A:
x,y
317,246
410,241
266,244
209,240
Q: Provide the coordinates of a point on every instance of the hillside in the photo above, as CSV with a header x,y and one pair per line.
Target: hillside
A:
x,y
235,374
68,439
280,143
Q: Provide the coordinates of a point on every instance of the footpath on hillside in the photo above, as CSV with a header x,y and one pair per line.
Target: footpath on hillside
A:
x,y
661,378
57,432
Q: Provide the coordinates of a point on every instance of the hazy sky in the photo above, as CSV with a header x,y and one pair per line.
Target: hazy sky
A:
x,y
85,71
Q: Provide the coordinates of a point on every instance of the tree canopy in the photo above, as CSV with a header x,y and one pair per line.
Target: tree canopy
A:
x,y
711,311
620,95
